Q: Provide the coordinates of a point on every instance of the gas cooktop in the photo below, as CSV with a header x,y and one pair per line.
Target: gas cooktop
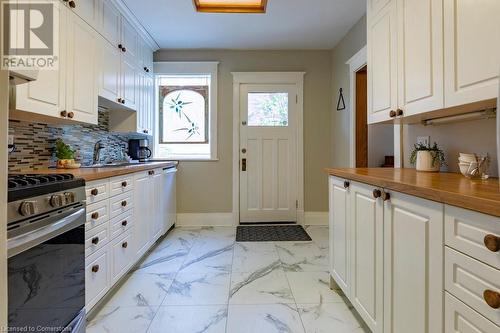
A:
x,y
23,186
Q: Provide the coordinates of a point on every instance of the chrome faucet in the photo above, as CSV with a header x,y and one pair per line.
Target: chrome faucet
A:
x,y
97,152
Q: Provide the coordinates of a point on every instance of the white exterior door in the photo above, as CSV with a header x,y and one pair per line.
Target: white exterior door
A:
x,y
268,153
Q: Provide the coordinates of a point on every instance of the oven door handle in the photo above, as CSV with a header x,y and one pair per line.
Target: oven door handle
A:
x,y
36,237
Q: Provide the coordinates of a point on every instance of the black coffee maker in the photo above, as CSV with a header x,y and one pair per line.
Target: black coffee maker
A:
x,y
138,149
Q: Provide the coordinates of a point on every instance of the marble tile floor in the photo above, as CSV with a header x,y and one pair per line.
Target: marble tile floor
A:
x,y
201,281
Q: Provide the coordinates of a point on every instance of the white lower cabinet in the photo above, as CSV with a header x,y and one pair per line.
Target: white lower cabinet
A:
x,y
366,220
413,265
460,318
387,254
126,216
339,230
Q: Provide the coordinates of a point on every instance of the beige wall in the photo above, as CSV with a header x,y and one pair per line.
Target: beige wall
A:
x,y
348,46
207,186
477,136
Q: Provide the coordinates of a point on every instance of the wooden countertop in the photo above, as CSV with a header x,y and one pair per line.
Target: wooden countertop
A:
x,y
448,188
90,174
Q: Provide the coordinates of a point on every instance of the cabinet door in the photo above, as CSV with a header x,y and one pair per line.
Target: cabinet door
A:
x,y
143,198
47,95
460,318
110,71
382,64
130,39
420,55
129,83
366,257
110,22
157,218
471,50
88,10
141,107
82,82
168,198
413,265
374,6
149,104
339,213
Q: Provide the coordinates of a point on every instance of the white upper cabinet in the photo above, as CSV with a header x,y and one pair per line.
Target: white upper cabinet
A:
x,y
428,55
129,95
420,55
110,71
382,63
129,39
46,95
88,10
110,22
471,50
82,83
374,6
413,265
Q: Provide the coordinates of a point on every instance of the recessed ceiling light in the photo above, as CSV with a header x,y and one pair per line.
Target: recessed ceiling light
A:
x,y
231,6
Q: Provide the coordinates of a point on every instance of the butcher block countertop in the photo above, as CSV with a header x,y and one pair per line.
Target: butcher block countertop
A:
x,y
448,188
90,174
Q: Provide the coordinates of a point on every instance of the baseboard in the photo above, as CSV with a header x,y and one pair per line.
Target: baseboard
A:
x,y
316,218
204,220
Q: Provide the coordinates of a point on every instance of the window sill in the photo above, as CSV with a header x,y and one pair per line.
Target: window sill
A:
x,y
187,159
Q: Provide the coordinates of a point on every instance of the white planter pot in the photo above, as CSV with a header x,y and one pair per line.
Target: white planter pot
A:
x,y
424,162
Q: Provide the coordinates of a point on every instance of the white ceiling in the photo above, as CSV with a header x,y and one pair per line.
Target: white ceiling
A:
x,y
288,24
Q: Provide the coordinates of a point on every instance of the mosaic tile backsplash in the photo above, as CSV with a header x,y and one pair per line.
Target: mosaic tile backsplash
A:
x,y
35,142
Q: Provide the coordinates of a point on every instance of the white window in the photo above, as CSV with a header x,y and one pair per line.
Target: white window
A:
x,y
186,108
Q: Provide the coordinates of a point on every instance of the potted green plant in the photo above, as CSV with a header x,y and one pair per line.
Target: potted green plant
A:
x,y
65,155
427,158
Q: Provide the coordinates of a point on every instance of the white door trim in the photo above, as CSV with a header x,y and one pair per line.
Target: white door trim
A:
x,y
240,78
357,61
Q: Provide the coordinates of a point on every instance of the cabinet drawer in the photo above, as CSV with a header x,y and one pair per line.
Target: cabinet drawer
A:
x,y
96,239
120,185
121,203
97,214
96,277
467,279
458,317
122,250
97,191
466,231
121,223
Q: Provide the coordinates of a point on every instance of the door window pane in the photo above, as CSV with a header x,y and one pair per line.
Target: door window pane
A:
x,y
268,109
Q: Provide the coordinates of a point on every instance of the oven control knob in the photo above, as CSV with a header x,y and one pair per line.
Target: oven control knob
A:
x,y
57,200
70,197
28,208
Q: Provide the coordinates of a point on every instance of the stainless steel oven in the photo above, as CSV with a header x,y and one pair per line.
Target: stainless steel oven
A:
x,y
46,259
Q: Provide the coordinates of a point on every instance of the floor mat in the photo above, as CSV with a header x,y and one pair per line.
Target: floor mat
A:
x,y
270,233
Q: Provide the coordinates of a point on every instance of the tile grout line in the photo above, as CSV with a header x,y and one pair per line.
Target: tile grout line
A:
x,y
173,280
230,282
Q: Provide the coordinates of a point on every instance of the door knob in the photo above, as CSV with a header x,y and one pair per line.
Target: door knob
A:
x,y
94,192
244,122
124,223
392,114
346,184
399,112
95,216
377,193
64,113
244,150
72,4
492,243
71,115
124,203
124,245
95,240
386,196
492,298
243,164
95,268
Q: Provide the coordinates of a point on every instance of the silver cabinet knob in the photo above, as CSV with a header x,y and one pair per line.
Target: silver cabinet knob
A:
x,y
28,208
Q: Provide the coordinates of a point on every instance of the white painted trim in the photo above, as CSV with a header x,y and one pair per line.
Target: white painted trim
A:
x,y
316,218
204,219
358,61
194,68
240,78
